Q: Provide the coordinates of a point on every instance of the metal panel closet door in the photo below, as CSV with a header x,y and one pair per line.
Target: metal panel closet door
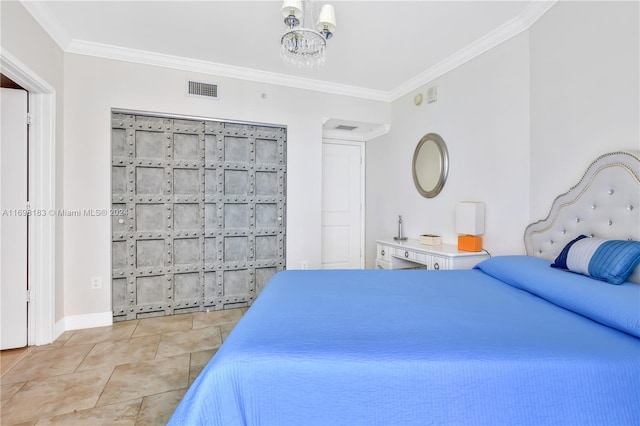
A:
x,y
204,225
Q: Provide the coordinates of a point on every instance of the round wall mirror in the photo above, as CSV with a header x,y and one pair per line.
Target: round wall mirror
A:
x,y
430,165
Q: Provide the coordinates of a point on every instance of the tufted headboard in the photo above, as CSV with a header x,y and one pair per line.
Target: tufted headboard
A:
x,y
605,204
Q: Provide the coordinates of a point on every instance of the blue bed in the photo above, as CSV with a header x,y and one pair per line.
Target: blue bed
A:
x,y
512,342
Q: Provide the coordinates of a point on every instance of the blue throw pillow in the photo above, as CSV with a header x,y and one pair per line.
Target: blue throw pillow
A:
x,y
607,260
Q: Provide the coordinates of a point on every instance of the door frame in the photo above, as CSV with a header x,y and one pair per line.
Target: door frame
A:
x,y
42,185
363,157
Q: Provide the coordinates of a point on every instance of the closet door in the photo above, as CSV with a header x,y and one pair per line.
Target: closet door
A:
x,y
203,213
13,222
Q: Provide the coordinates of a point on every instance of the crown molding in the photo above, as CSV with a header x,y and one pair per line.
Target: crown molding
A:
x,y
48,22
520,23
510,29
223,70
534,11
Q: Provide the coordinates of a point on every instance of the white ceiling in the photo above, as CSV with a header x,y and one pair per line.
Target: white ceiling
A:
x,y
380,49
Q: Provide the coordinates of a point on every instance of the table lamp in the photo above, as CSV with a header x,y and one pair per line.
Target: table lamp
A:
x,y
470,224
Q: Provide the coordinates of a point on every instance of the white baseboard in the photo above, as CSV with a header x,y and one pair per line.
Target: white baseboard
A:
x,y
77,322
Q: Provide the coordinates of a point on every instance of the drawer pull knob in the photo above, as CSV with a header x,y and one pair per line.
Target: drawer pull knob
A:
x,y
436,266
406,254
382,252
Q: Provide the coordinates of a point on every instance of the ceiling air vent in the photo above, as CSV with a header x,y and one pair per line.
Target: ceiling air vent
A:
x,y
203,89
345,127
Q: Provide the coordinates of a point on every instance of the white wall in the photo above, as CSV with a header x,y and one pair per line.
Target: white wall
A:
x,y
24,38
93,86
522,123
482,113
584,92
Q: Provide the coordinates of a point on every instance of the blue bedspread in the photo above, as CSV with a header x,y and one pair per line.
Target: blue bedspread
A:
x,y
427,347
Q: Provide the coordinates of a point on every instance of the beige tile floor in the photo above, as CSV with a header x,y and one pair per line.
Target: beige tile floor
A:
x,y
130,373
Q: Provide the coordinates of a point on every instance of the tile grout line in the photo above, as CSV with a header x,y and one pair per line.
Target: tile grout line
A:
x,y
105,386
73,333
105,383
139,410
84,358
12,396
112,370
17,361
155,355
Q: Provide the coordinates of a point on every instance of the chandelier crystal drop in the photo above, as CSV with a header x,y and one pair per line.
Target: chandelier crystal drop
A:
x,y
300,45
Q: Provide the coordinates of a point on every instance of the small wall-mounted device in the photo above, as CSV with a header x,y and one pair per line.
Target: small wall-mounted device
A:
x,y
432,94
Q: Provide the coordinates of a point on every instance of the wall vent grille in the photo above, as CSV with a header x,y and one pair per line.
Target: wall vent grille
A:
x,y
203,89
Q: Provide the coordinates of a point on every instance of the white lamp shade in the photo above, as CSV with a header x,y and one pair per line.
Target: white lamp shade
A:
x,y
292,7
327,18
470,218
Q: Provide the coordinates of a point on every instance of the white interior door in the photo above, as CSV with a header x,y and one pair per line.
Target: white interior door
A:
x,y
342,204
13,223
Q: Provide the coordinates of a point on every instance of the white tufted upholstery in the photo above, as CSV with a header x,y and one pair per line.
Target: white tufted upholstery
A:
x,y
605,203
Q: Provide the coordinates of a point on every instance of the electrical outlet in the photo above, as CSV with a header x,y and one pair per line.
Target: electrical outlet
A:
x,y
96,282
304,264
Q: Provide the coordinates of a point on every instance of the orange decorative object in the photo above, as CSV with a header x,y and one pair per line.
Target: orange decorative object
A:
x,y
469,243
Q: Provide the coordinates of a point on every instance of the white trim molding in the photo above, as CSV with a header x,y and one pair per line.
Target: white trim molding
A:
x,y
78,322
51,25
510,29
205,67
42,190
522,22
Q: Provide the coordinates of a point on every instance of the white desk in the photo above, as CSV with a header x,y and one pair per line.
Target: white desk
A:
x,y
392,254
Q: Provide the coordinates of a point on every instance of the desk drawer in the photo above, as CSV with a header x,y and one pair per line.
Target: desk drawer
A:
x,y
384,253
438,263
404,254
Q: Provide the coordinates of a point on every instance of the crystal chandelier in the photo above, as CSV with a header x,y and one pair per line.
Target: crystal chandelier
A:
x,y
302,46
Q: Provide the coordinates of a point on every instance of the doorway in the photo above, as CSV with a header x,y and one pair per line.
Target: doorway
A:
x,y
343,191
42,193
342,204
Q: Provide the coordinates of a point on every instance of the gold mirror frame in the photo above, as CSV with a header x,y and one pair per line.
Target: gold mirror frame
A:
x,y
430,165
